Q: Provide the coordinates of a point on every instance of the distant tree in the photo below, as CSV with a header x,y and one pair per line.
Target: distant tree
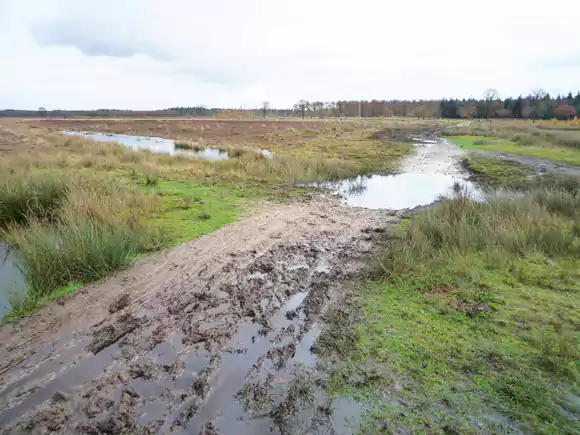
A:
x,y
539,94
518,109
419,112
490,95
301,107
387,113
42,112
504,113
542,109
265,108
565,112
529,112
467,110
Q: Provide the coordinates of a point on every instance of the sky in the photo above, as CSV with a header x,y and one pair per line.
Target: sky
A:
x,y
153,54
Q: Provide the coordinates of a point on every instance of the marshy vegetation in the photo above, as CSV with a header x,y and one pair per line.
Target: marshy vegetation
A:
x,y
526,138
469,319
75,210
73,228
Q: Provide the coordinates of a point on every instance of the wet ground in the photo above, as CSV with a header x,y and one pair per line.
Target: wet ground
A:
x,y
12,284
216,334
153,144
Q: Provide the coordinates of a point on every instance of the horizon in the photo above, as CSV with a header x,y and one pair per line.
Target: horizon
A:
x,y
140,55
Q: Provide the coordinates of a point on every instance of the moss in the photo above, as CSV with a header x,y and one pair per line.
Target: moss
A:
x,y
191,209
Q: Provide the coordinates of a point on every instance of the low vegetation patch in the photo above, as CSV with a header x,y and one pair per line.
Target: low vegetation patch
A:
x,y
524,138
493,172
468,322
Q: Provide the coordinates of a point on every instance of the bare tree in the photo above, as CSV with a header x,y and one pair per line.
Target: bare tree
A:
x,y
265,108
42,112
539,94
490,95
301,107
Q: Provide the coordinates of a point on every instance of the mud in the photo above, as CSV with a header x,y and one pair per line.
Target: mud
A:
x,y
213,336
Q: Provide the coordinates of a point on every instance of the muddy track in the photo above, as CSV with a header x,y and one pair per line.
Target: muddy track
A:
x,y
206,338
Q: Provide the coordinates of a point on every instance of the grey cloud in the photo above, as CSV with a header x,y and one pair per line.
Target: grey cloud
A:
x,y
93,42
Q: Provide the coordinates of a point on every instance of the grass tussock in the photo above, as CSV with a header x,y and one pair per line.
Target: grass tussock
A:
x,y
499,229
29,197
186,145
291,169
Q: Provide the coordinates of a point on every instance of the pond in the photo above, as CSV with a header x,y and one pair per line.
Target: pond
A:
x,y
398,192
157,145
153,144
11,280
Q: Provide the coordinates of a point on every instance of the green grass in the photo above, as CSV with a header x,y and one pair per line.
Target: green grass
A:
x,y
553,152
494,172
469,320
191,210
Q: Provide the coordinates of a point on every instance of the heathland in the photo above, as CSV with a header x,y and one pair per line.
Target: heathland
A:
x,y
459,317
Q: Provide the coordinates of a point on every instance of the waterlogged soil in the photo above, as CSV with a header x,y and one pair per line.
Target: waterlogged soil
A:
x,y
213,336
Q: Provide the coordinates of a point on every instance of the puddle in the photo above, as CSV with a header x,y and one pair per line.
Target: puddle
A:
x,y
12,284
398,191
429,173
67,383
153,144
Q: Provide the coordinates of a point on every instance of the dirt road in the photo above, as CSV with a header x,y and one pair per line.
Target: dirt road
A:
x,y
207,337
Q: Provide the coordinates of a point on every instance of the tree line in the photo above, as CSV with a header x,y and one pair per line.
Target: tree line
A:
x,y
538,105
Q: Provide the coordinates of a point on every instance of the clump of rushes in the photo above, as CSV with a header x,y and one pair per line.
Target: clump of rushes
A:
x,y
184,145
25,198
97,230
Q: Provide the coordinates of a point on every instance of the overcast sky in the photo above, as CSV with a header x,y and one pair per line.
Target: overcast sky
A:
x,y
145,54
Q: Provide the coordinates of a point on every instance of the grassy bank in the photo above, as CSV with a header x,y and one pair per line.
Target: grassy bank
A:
x,y
468,322
525,138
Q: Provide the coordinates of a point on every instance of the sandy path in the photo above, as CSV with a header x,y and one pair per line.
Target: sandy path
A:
x,y
168,344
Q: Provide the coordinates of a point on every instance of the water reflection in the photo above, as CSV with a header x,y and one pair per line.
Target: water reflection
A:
x,y
398,191
12,284
153,144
